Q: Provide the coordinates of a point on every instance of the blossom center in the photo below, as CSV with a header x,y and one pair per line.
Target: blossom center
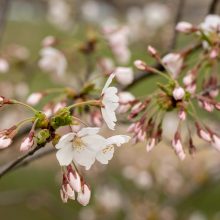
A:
x,y
78,143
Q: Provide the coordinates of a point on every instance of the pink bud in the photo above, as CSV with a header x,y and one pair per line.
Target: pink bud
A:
x,y
184,27
48,41
59,106
214,53
216,142
188,79
124,99
150,144
69,191
208,106
5,142
182,114
214,93
141,65
74,180
34,98
152,51
178,93
124,75
84,196
217,106
4,66
191,88
63,195
204,135
177,146
26,144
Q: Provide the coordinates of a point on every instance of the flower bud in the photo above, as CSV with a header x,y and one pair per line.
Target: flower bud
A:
x,y
185,27
216,142
188,79
124,99
150,144
5,142
34,98
49,41
74,179
177,146
124,75
182,114
27,143
141,65
152,51
84,196
4,66
178,93
205,135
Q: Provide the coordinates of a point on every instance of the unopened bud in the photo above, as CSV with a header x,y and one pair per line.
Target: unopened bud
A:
x,y
178,93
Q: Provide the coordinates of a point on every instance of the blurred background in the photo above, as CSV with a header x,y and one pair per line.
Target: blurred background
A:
x,y
136,185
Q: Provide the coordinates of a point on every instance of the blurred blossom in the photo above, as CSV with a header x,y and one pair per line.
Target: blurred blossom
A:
x,y
129,172
168,213
109,198
18,52
87,213
156,15
59,14
52,60
21,90
4,65
197,215
97,12
144,180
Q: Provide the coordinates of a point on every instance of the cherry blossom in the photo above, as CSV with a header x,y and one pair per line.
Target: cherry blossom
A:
x,y
110,102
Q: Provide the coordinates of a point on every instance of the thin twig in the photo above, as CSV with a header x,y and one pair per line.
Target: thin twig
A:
x,y
11,165
4,6
212,6
178,17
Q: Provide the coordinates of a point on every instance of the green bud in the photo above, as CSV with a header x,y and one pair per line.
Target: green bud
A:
x,y
42,136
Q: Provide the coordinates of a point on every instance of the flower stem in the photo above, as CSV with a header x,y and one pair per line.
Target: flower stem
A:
x,y
90,102
25,105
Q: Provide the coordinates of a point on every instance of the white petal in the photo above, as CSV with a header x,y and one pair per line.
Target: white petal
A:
x,y
84,157
75,182
118,140
105,155
94,142
65,155
84,197
64,140
108,82
88,131
109,118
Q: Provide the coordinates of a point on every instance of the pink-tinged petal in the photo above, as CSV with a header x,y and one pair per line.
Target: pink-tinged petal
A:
x,y
65,155
88,131
75,182
108,82
64,140
70,192
84,196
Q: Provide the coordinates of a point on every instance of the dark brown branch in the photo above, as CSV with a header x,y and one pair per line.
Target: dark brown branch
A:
x,y
11,165
178,17
4,6
213,6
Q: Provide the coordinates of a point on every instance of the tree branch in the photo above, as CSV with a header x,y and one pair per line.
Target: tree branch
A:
x,y
178,17
11,165
4,6
212,7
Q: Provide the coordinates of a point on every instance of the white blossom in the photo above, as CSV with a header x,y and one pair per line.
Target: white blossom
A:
x,y
34,98
173,63
52,60
124,99
80,147
211,24
184,27
110,103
